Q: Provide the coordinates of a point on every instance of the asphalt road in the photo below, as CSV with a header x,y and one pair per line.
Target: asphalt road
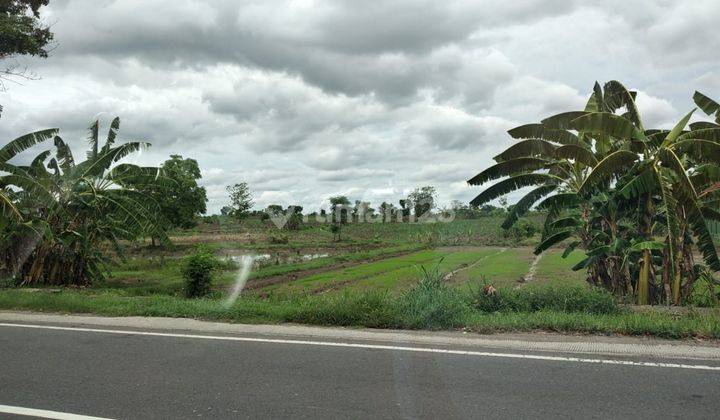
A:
x,y
136,376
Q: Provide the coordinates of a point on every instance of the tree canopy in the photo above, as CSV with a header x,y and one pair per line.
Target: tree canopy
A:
x,y
240,200
22,32
181,199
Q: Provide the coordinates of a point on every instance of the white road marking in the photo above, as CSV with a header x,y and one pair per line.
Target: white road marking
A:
x,y
373,346
45,414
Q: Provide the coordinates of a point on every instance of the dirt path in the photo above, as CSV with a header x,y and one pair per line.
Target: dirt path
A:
x,y
452,274
530,276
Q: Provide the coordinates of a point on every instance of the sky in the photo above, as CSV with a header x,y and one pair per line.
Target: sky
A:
x,y
304,100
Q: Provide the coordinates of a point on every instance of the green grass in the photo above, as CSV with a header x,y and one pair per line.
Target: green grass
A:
x,y
553,269
447,309
501,268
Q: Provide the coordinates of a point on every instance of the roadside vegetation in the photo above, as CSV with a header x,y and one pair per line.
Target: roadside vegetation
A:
x,y
618,215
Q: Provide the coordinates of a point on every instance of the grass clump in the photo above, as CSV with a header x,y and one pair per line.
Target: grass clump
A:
x,y
373,309
431,304
561,299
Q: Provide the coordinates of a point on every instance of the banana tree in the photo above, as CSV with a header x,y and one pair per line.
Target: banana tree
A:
x,y
557,159
84,207
599,168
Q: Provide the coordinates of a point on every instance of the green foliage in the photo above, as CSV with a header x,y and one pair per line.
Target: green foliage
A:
x,y
422,200
706,290
522,229
180,198
198,272
431,304
614,185
565,299
372,309
240,200
294,218
21,30
74,213
339,208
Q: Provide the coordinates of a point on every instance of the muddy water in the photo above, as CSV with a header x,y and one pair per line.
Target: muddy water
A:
x,y
263,260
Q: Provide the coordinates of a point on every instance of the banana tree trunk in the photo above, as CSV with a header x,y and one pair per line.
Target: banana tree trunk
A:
x,y
644,280
667,273
677,277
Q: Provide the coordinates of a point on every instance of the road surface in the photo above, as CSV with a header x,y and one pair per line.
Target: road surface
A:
x,y
126,372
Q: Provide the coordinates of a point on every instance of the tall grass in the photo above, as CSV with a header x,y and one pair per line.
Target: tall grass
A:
x,y
431,304
573,299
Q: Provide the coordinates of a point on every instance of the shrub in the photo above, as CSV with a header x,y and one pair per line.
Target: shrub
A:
x,y
198,272
563,299
6,281
705,291
522,229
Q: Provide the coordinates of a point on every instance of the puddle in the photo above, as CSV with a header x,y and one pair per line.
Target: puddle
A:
x,y
263,260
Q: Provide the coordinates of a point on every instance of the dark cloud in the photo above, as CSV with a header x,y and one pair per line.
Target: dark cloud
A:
x,y
305,100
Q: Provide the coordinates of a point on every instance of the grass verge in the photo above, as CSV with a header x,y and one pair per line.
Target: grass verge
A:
x,y
425,306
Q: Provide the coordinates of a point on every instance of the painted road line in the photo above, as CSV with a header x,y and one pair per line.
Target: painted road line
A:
x,y
372,346
45,414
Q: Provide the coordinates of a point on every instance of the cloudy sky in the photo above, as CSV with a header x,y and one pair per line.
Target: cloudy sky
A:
x,y
307,99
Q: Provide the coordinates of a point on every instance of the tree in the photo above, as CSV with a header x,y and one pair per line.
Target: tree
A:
x,y
422,200
405,208
339,207
22,33
240,200
635,199
72,211
294,217
388,211
181,200
362,211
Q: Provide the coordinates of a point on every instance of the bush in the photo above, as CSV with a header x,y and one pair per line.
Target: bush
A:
x,y
564,299
6,281
198,272
705,291
522,229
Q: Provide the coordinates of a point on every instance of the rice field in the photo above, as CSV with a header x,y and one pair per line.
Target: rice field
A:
x,y
461,266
